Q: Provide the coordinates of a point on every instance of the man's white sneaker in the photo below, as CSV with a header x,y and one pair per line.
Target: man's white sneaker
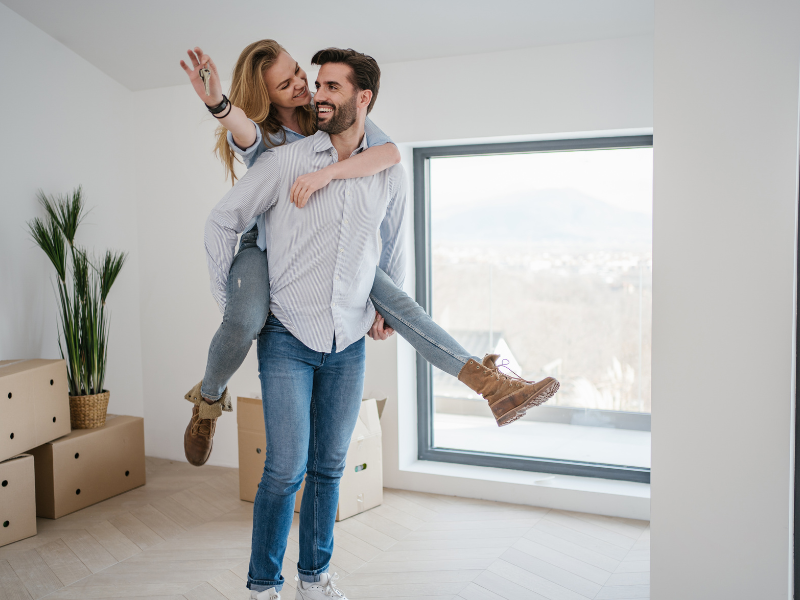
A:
x,y
324,589
269,594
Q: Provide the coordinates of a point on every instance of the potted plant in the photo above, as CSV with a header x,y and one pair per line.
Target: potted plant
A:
x,y
82,287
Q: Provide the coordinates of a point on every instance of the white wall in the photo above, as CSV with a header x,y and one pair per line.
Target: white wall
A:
x,y
178,315
602,85
65,123
726,127
592,87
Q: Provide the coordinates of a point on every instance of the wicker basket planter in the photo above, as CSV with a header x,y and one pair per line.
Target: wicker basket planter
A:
x,y
88,412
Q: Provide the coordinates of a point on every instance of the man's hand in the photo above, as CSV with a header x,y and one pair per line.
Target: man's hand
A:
x,y
307,184
379,329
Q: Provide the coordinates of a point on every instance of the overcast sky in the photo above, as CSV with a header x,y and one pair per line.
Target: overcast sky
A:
x,y
623,177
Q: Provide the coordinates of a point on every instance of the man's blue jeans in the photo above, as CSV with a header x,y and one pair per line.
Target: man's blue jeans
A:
x,y
311,403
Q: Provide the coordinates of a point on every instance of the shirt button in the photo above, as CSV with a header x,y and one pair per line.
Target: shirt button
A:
x,y
333,304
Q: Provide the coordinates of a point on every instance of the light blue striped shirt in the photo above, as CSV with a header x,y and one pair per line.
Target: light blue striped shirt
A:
x,y
322,257
373,133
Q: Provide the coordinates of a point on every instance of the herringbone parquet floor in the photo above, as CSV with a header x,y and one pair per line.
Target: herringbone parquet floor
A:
x,y
186,535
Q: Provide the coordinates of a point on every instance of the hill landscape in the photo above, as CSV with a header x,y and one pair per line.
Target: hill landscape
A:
x,y
560,216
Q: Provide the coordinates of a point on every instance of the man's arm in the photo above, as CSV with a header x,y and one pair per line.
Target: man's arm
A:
x,y
392,259
254,194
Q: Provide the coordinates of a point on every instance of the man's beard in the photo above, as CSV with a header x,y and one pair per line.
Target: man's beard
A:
x,y
342,119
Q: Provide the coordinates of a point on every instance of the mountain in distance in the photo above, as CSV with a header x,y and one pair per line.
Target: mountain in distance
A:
x,y
553,215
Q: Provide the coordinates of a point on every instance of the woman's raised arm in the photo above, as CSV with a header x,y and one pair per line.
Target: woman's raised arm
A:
x,y
235,120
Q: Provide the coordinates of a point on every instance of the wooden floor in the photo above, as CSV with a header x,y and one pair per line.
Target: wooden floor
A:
x,y
186,534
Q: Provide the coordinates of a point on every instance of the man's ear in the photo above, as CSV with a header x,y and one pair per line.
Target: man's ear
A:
x,y
364,98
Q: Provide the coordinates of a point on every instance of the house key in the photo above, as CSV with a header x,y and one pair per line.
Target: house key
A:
x,y
205,75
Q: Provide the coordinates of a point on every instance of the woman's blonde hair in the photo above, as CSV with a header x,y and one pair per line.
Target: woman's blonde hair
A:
x,y
249,92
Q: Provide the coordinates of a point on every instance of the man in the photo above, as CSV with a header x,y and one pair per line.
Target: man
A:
x,y
311,351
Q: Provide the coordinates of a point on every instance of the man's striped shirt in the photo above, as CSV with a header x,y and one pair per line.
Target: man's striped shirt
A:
x,y
322,257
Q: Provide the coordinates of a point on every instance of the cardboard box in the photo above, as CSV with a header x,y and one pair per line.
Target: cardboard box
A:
x,y
89,465
17,499
361,486
252,446
34,403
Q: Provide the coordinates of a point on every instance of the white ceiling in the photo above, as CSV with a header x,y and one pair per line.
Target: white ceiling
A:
x,y
139,42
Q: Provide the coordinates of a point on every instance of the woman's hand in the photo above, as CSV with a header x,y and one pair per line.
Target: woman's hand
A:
x,y
307,184
379,329
199,59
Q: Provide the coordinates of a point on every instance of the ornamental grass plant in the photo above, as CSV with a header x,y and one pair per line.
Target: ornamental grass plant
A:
x,y
82,286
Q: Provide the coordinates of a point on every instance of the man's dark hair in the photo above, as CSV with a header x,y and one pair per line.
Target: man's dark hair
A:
x,y
366,73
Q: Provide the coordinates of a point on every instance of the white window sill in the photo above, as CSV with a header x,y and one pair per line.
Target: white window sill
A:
x,y
583,494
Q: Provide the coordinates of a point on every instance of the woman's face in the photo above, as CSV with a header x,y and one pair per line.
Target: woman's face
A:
x,y
287,83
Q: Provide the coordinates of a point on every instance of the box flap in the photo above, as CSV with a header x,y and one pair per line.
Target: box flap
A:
x,y
381,404
368,424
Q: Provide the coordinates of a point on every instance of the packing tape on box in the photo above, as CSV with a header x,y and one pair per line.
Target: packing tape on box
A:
x,y
13,362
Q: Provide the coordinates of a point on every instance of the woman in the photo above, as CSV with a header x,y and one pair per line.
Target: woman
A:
x,y
270,88
270,104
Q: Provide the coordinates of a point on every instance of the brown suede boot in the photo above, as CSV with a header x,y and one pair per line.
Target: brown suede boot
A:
x,y
198,438
509,397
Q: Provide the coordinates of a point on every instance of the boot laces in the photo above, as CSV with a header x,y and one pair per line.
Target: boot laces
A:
x,y
516,379
204,427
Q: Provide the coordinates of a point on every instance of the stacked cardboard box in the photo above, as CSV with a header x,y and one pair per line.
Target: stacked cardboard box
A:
x,y
89,465
35,404
361,486
71,469
17,499
34,409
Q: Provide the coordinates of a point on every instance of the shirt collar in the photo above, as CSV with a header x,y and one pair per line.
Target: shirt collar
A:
x,y
322,142
291,131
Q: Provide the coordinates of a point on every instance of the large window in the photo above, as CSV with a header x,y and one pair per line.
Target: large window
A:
x,y
541,252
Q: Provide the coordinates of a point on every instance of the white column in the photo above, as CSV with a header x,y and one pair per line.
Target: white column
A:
x,y
726,162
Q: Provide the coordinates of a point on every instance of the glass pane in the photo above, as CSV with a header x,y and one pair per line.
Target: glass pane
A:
x,y
546,259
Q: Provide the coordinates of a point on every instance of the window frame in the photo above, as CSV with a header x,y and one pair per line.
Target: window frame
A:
x,y
422,247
